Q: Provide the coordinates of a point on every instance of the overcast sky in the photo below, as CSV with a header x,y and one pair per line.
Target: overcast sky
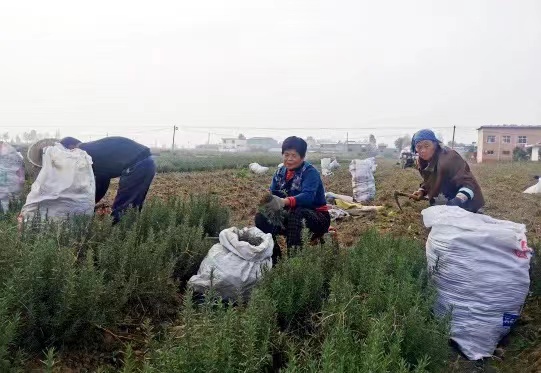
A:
x,y
136,68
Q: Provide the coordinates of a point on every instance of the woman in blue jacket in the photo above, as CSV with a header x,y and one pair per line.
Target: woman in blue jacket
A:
x,y
298,190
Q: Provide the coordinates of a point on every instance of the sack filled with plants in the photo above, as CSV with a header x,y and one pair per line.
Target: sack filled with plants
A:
x,y
233,266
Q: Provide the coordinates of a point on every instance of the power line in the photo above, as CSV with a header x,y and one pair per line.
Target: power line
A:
x,y
153,127
126,131
382,127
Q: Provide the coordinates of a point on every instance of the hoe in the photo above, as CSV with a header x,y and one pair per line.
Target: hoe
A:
x,y
409,195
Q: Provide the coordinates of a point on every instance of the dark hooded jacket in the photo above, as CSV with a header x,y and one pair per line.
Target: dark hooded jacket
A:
x,y
111,156
448,173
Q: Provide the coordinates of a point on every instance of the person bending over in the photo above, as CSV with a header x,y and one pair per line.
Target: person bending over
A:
x,y
114,157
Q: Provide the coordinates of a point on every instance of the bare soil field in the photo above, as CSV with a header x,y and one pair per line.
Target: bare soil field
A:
x,y
241,190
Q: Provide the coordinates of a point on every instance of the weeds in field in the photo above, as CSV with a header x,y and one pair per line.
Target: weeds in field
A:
x,y
378,313
535,268
243,173
218,337
367,309
8,327
299,285
62,283
50,360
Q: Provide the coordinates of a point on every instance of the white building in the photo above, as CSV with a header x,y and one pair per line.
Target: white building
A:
x,y
536,150
233,144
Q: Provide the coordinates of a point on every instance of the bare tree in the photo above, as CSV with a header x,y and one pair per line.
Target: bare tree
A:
x,y
311,141
401,142
33,136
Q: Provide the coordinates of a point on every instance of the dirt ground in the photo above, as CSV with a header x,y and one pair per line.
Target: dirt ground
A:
x,y
502,186
240,190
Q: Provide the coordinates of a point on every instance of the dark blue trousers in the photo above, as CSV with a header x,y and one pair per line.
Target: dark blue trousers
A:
x,y
133,187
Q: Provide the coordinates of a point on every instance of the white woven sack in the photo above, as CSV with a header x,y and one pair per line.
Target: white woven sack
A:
x,y
64,187
11,174
325,167
233,267
362,179
256,168
534,189
480,267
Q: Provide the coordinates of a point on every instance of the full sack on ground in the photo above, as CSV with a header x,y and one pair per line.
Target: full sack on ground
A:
x,y
362,179
480,267
328,166
256,168
11,174
233,266
534,189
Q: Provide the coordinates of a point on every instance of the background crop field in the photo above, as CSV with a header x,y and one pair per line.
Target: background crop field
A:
x,y
239,189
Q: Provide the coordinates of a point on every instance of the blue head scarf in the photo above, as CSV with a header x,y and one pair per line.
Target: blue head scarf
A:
x,y
422,135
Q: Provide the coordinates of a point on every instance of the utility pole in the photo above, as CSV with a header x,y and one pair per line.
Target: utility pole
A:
x,y
175,129
453,143
208,140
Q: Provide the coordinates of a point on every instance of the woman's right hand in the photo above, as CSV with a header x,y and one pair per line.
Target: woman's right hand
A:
x,y
418,195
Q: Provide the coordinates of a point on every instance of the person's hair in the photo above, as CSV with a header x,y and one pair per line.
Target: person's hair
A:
x,y
69,142
295,143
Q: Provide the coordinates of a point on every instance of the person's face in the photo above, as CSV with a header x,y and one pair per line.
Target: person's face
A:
x,y
426,149
292,159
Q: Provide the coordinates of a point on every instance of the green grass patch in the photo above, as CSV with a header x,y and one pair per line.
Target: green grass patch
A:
x,y
365,309
60,284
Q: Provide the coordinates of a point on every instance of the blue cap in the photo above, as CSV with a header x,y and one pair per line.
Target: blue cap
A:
x,y
422,135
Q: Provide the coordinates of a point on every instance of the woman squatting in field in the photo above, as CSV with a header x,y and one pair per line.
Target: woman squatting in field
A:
x,y
445,171
297,190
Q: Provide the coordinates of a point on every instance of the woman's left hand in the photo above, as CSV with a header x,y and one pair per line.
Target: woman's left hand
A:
x,y
459,200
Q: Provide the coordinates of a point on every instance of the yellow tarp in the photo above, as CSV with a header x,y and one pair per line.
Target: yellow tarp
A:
x,y
347,205
344,205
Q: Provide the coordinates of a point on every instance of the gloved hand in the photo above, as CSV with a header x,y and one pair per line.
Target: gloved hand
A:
x,y
459,200
455,202
275,204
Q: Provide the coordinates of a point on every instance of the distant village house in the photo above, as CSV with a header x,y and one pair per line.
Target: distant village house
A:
x,y
355,147
234,144
262,143
496,143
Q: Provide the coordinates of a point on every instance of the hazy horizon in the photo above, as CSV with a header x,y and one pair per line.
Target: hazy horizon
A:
x,y
279,68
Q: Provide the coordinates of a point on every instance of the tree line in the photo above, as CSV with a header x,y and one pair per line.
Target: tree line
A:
x,y
27,137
